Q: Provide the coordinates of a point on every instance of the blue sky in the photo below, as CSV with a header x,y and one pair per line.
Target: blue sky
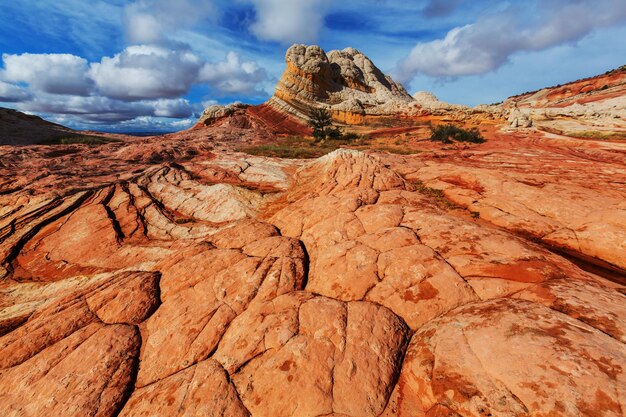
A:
x,y
153,65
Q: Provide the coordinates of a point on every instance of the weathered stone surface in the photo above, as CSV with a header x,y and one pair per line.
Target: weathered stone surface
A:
x,y
594,104
396,248
510,358
574,213
202,390
346,82
325,348
204,289
86,373
127,298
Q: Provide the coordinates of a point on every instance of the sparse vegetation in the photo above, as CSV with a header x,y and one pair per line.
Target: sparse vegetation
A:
x,y
350,136
450,133
300,147
296,147
91,140
437,195
322,124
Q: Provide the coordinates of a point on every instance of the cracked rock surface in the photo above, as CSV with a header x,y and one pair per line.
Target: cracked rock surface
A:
x,y
231,285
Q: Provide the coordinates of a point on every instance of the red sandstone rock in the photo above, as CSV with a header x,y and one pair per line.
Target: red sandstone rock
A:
x,y
510,358
201,390
176,277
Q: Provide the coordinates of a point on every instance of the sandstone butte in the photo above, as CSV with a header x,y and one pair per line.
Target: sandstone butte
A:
x,y
177,276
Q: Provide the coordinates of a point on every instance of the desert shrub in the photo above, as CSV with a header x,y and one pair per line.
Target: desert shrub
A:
x,y
450,133
350,136
334,133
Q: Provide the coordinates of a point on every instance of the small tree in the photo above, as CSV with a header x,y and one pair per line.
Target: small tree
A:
x,y
322,124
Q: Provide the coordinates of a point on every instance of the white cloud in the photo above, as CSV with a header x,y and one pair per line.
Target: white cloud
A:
x,y
87,108
12,93
487,44
178,108
146,71
233,76
289,21
150,21
153,124
49,73
103,109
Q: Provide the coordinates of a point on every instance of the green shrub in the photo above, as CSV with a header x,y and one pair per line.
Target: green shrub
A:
x,y
450,133
334,133
350,136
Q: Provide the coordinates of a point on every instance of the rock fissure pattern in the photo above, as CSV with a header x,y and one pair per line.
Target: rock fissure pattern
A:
x,y
187,289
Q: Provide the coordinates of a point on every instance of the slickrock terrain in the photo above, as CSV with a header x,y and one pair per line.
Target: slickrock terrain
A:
x,y
178,276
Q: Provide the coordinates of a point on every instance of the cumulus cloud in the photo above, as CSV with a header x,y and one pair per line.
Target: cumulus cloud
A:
x,y
140,81
146,71
488,44
289,21
86,108
233,76
174,109
49,73
10,93
104,109
150,21
154,124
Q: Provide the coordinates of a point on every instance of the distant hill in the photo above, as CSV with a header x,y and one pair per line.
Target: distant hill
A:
x,y
610,85
17,128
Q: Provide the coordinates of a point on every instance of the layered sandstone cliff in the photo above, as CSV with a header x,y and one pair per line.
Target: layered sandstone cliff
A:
x,y
584,106
346,82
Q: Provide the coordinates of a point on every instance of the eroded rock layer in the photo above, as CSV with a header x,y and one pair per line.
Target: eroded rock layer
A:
x,y
346,82
198,281
591,107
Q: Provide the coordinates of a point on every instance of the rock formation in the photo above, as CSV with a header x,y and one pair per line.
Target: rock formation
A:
x,y
177,276
346,82
595,104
